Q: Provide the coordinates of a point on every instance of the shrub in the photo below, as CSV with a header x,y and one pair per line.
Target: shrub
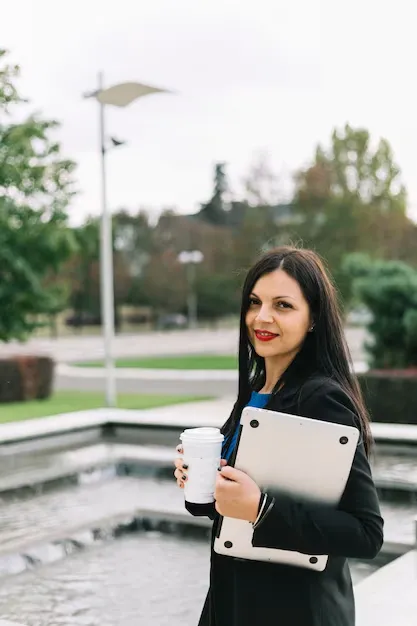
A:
x,y
11,389
46,367
391,396
26,378
389,290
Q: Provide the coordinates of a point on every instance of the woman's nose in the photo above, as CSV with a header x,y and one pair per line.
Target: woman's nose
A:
x,y
265,315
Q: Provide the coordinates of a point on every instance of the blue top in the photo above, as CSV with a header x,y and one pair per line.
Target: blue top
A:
x,y
259,400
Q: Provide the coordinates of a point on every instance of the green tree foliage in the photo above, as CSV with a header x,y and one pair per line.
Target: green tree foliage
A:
x,y
261,183
351,199
134,245
35,188
389,290
165,282
83,271
214,212
218,295
352,167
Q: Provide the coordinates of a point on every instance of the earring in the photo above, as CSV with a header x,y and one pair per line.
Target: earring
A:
x,y
310,330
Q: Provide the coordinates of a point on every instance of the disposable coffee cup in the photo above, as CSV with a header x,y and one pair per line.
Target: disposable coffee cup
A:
x,y
202,453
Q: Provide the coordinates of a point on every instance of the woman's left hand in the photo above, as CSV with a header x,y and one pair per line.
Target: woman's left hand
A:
x,y
237,495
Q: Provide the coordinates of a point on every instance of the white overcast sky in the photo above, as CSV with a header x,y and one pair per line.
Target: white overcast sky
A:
x,y
270,75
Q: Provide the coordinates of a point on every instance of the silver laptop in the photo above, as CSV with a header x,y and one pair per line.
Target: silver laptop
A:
x,y
307,458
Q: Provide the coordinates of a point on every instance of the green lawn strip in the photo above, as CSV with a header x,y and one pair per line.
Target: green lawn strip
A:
x,y
68,401
187,362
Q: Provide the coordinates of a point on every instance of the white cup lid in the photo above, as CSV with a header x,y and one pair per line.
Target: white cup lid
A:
x,y
202,434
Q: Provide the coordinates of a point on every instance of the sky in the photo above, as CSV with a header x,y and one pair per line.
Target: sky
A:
x,y
272,77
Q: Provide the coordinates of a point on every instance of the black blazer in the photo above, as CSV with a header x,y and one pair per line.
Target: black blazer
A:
x,y
250,593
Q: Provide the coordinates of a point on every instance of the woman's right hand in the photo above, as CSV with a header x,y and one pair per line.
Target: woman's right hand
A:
x,y
180,472
181,469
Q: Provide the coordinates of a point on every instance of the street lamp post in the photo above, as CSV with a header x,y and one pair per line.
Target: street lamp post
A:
x,y
190,260
120,95
106,267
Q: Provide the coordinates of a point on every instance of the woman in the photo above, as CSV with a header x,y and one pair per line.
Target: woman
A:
x,y
293,358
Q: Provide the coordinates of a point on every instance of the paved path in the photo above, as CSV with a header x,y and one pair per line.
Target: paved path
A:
x,y
79,348
388,597
215,383
210,383
67,350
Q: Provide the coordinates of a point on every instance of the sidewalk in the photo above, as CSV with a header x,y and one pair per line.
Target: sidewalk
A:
x,y
215,383
139,373
63,369
146,344
388,597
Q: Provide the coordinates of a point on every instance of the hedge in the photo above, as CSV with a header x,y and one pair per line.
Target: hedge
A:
x,y
391,395
26,378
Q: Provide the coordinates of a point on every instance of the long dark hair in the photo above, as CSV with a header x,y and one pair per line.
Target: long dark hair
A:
x,y
324,351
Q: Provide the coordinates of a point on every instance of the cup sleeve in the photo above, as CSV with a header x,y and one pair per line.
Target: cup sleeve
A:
x,y
201,510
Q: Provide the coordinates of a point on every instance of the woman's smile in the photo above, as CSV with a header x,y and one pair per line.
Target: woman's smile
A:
x,y
264,335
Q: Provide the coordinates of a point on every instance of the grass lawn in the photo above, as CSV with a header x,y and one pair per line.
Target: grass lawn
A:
x,y
67,401
186,362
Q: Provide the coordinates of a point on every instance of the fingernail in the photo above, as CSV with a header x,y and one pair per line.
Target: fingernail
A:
x,y
185,466
184,477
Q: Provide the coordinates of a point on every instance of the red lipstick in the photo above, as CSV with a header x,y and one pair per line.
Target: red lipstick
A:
x,y
264,335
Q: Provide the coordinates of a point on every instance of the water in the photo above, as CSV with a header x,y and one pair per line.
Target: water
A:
x,y
60,514
400,469
18,470
140,578
150,579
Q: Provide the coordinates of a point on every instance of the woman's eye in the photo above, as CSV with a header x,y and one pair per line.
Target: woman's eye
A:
x,y
284,305
253,302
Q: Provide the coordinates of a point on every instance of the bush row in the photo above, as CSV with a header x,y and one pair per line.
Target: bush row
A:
x,y
391,396
26,378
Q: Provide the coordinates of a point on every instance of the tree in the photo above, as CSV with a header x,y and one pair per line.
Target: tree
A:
x,y
256,234
165,283
131,241
261,183
352,167
83,272
351,199
133,245
218,295
214,212
36,186
389,290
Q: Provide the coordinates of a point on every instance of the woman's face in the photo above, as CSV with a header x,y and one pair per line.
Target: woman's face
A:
x,y
278,317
